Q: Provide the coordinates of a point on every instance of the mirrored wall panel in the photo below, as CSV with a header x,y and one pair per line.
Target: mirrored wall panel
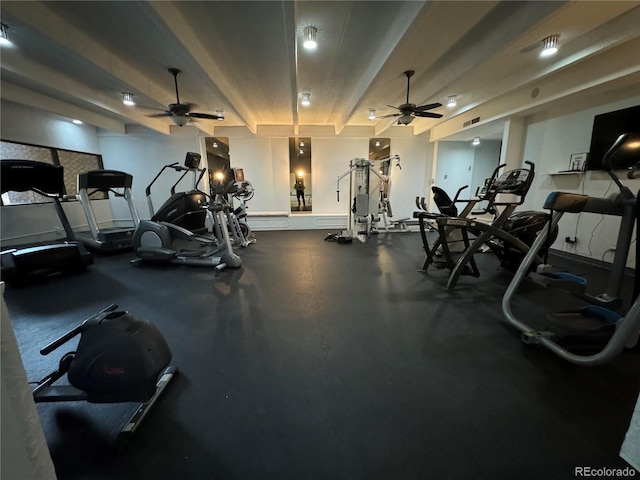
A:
x,y
300,174
218,159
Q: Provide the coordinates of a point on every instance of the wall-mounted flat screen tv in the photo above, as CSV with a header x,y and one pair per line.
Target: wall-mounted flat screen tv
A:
x,y
607,127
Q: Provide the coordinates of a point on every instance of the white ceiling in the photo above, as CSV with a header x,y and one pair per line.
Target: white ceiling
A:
x,y
246,58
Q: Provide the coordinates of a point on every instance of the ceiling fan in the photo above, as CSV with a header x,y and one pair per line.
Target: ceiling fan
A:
x,y
408,111
181,113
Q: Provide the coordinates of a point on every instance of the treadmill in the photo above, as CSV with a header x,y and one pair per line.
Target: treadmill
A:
x,y
109,239
24,264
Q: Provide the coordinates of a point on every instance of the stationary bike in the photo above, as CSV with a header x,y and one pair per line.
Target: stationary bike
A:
x,y
119,358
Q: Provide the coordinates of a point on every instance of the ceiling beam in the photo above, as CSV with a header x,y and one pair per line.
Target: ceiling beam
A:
x,y
614,29
30,98
51,80
173,18
616,64
40,17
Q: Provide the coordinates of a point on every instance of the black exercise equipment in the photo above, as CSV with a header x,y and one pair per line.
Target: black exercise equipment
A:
x,y
164,242
119,358
186,209
506,235
119,183
595,333
24,264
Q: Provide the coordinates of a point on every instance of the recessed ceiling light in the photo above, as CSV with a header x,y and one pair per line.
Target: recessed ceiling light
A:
x,y
220,115
550,45
306,99
127,99
310,34
372,114
452,101
476,141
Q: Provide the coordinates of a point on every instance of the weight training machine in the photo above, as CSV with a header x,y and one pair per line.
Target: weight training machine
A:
x,y
596,333
367,207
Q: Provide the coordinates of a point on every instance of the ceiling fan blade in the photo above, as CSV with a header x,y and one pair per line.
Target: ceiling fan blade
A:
x,y
390,115
163,114
204,115
427,114
422,108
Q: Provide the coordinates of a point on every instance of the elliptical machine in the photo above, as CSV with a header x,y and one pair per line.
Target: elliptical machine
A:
x,y
186,209
238,188
164,242
119,358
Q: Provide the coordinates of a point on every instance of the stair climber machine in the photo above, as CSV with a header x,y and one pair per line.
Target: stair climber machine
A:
x,y
595,333
119,358
509,235
187,209
108,239
164,242
365,211
24,264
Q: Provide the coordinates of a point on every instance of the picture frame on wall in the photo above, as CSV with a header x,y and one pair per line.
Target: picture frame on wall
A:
x,y
577,162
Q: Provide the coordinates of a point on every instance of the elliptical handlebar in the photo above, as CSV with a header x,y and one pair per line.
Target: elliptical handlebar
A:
x,y
46,350
455,199
606,162
174,165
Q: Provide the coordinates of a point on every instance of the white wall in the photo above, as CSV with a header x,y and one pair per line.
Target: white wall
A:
x,y
29,125
142,153
413,178
21,224
550,140
460,163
